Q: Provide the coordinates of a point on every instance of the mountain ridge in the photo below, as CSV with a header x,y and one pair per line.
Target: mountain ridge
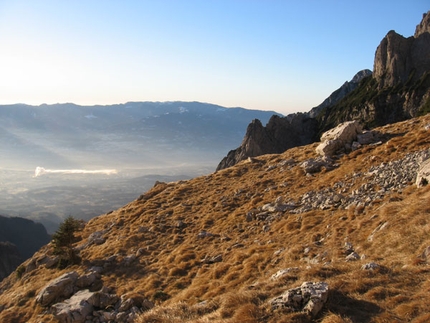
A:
x,y
398,89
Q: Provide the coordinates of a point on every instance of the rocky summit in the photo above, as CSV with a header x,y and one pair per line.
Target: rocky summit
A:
x,y
300,236
396,90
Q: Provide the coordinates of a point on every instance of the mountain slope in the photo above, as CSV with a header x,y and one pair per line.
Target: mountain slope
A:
x,y
205,249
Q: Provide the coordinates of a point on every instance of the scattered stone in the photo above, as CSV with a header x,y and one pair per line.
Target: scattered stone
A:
x,y
212,260
353,256
366,137
310,298
96,238
388,177
370,266
278,252
283,272
204,234
380,227
88,279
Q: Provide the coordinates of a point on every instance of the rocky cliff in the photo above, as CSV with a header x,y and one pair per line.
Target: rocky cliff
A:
x,y
398,89
10,258
280,134
27,235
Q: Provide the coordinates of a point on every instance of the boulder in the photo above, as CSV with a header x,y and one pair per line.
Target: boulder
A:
x,y
310,298
423,175
60,288
337,138
314,165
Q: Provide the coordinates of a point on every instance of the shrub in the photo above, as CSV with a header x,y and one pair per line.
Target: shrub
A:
x,y
20,271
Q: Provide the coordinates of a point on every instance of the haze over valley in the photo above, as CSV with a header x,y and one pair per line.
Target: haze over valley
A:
x,y
65,159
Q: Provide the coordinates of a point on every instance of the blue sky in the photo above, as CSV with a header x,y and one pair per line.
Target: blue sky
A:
x,y
286,56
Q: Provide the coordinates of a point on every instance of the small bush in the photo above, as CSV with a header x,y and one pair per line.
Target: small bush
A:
x,y
20,271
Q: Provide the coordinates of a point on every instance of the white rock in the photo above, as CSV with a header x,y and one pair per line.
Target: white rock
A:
x,y
61,287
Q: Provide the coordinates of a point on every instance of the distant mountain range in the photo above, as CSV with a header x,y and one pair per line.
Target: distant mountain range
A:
x,y
141,141
134,134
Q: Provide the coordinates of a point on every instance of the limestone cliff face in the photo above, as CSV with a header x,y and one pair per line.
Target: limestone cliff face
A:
x,y
398,89
399,59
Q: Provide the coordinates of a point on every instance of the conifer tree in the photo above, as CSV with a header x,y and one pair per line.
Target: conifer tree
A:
x,y
63,239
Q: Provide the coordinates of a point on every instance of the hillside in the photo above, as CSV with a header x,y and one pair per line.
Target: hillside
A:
x,y
221,247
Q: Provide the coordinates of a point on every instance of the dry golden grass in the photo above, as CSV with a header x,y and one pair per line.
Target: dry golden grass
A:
x,y
170,269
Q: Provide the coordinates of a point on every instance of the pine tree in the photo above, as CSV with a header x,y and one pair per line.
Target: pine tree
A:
x,y
63,239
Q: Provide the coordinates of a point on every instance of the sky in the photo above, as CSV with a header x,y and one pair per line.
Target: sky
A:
x,y
286,55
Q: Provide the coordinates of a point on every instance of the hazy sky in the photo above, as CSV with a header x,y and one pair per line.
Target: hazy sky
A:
x,y
286,56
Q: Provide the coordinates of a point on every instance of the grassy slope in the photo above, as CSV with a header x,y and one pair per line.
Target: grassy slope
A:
x,y
171,273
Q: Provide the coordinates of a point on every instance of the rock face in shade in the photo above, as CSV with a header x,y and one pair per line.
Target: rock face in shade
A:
x,y
19,239
26,234
280,134
341,92
10,258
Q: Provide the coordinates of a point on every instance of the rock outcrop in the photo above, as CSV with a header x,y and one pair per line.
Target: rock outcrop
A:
x,y
280,134
60,288
310,298
399,59
71,299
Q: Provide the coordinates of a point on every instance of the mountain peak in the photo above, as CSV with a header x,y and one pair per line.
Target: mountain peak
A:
x,y
424,26
399,59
